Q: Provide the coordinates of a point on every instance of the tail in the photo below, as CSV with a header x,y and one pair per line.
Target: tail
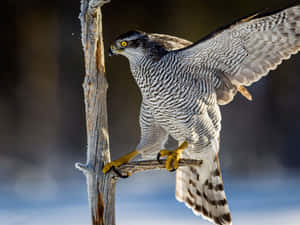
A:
x,y
201,189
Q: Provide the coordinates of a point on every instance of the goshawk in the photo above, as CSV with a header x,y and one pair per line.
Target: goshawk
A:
x,y
182,85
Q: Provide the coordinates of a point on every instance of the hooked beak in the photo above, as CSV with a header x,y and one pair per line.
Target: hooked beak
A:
x,y
112,50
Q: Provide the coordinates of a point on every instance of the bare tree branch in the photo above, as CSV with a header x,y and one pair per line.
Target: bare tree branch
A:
x,y
140,166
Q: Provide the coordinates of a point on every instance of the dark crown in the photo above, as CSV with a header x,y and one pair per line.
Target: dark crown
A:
x,y
131,34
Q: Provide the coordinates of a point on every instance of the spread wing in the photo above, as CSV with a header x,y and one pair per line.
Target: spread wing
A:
x,y
247,50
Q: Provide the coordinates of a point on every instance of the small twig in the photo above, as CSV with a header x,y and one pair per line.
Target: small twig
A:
x,y
140,166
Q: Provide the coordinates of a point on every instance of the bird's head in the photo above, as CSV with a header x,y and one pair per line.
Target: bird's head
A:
x,y
130,44
135,44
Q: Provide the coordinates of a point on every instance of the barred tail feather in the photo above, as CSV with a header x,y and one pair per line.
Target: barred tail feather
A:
x,y
202,190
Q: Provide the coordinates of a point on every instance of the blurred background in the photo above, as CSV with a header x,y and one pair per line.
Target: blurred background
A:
x,y
42,122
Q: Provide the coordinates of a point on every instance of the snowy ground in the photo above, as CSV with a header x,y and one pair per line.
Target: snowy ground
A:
x,y
77,215
256,201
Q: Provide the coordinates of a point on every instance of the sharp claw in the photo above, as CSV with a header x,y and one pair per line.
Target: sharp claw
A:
x,y
110,169
158,158
118,173
171,167
172,157
106,168
123,160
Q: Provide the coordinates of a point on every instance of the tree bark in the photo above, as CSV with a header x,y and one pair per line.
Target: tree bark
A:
x,y
100,187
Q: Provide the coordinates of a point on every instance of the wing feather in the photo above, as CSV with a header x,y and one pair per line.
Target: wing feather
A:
x,y
249,49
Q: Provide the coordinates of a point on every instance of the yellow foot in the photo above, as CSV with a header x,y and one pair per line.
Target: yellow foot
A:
x,y
172,156
123,160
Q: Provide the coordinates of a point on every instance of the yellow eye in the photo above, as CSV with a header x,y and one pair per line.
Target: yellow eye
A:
x,y
124,43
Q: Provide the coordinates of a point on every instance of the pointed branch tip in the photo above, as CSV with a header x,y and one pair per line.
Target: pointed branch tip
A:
x,y
83,168
97,3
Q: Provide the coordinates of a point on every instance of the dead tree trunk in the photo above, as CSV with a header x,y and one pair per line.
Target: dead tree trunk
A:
x,y
101,187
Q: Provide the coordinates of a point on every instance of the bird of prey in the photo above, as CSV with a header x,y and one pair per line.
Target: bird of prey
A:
x,y
182,85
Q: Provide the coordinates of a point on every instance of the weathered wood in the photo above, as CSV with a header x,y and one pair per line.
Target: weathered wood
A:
x,y
101,187
140,166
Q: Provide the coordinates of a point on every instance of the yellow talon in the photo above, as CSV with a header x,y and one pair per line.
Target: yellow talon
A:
x,y
122,160
173,156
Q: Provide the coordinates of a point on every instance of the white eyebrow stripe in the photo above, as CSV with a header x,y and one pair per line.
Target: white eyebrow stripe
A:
x,y
133,37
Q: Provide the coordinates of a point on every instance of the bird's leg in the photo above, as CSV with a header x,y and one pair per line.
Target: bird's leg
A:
x,y
122,160
172,156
